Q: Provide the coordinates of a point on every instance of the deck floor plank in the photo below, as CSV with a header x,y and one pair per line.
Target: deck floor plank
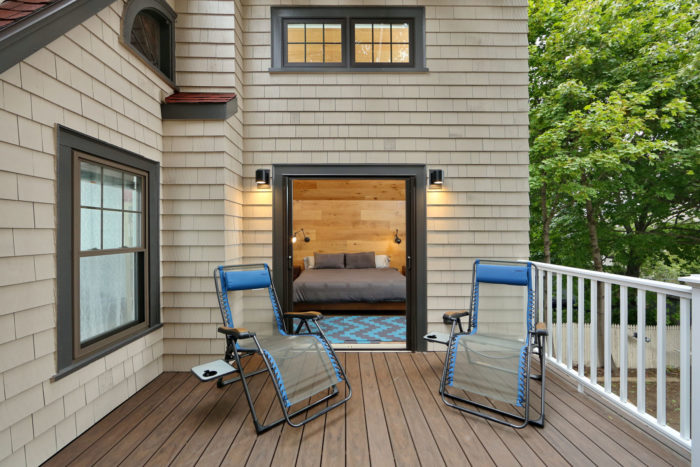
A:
x,y
185,397
356,439
196,431
402,443
79,445
465,436
436,424
243,443
395,417
333,453
605,435
181,386
496,448
138,449
619,429
218,445
426,445
377,432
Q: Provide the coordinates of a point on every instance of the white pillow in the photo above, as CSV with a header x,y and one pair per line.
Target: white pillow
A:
x,y
381,261
308,262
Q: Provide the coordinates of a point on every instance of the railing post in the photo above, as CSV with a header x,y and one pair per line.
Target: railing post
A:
x,y
694,282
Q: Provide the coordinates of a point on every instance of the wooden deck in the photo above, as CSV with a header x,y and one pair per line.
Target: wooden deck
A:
x,y
395,417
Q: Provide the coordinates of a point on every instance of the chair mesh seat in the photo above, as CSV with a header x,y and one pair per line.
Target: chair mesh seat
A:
x,y
301,364
488,365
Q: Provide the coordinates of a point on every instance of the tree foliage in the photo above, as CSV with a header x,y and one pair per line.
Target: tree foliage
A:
x,y
614,133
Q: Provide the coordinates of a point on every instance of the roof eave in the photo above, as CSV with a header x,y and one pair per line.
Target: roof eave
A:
x,y
31,33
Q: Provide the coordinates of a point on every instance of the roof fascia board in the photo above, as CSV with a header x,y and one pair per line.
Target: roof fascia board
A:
x,y
20,40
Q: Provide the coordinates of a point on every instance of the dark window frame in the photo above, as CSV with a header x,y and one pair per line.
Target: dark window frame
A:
x,y
166,15
70,355
414,15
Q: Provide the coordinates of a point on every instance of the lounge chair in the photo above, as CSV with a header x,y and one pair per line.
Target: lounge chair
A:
x,y
492,357
300,366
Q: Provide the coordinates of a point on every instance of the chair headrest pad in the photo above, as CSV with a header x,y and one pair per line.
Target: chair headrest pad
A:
x,y
245,280
502,274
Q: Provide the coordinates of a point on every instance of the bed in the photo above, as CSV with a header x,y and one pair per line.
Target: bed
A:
x,y
376,289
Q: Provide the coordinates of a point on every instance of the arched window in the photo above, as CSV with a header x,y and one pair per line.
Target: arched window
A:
x,y
149,31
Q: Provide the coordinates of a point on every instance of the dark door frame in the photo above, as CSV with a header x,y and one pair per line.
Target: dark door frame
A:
x,y
416,232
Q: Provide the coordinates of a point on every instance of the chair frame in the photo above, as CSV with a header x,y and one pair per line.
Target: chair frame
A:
x,y
236,354
536,340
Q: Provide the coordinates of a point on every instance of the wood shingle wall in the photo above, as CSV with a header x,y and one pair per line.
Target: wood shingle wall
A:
x,y
468,116
87,81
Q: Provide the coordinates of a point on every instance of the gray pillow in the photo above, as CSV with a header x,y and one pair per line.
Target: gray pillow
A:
x,y
360,260
329,261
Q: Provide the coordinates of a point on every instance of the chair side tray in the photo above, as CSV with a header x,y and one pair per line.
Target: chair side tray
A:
x,y
438,337
212,370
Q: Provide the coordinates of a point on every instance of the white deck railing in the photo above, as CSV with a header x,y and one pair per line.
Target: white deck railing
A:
x,y
572,353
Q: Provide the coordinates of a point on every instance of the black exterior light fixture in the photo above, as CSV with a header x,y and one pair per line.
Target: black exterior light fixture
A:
x,y
262,178
306,237
397,239
435,178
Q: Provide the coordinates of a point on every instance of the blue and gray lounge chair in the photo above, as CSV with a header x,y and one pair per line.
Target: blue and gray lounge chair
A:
x,y
492,357
300,366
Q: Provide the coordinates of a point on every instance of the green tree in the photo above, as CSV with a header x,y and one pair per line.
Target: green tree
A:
x,y
614,137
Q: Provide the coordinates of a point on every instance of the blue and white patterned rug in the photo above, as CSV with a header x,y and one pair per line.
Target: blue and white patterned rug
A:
x,y
364,329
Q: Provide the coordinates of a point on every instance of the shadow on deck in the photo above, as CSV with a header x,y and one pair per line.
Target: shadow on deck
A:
x,y
395,416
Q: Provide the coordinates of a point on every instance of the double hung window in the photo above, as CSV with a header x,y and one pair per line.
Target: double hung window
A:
x,y
107,236
112,254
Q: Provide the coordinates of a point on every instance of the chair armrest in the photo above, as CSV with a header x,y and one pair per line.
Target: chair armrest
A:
x,y
450,316
313,315
236,333
541,329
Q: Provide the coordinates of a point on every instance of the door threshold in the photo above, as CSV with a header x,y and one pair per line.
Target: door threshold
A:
x,y
377,346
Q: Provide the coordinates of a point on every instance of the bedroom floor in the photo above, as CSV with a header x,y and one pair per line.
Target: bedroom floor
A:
x,y
364,329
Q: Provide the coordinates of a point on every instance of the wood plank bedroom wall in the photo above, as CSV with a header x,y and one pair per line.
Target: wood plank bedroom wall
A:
x,y
350,216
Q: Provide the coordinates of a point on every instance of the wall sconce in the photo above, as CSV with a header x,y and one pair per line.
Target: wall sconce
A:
x,y
397,239
262,178
306,237
435,178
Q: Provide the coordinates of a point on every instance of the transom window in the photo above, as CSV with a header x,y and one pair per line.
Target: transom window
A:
x,y
382,42
314,42
146,37
348,39
148,30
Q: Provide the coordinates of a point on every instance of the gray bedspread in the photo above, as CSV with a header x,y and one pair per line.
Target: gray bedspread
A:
x,y
350,285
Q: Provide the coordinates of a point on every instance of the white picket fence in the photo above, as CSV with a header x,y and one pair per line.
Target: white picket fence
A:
x,y
673,345
569,344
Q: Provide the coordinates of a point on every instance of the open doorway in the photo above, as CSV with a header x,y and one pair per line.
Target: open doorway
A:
x,y
407,257
349,258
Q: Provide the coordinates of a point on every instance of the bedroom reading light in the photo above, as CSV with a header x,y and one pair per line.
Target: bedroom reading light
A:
x,y
262,178
306,237
397,239
435,178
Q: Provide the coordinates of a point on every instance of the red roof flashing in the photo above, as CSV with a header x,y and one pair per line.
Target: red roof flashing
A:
x,y
12,11
199,98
